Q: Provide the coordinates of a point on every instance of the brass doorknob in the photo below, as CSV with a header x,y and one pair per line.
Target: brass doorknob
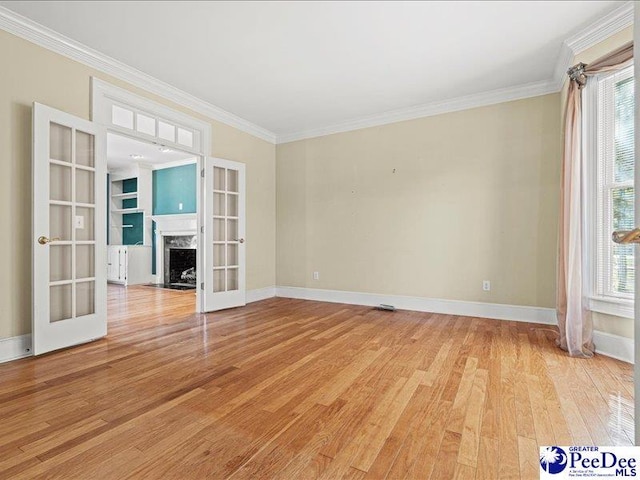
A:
x,y
42,240
626,236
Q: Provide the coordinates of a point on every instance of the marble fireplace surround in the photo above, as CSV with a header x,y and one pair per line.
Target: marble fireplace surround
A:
x,y
171,226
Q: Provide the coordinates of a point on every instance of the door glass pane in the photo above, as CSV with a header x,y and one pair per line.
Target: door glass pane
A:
x,y
85,186
60,143
232,230
232,180
218,230
218,178
146,124
59,262
60,302
232,205
85,261
232,279
60,182
232,254
218,255
218,280
60,222
85,224
218,204
84,149
85,298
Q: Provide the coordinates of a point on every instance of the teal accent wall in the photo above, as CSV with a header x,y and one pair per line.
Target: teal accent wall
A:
x,y
130,185
130,203
131,236
171,187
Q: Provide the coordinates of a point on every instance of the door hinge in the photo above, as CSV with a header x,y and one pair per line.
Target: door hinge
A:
x,y
202,173
201,229
202,286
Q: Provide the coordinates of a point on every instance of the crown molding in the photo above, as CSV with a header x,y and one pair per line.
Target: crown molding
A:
x,y
565,59
610,24
32,31
429,109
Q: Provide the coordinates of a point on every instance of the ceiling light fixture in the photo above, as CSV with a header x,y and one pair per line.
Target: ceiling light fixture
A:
x,y
165,149
136,156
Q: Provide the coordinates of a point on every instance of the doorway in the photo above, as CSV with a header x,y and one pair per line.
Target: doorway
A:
x,y
152,217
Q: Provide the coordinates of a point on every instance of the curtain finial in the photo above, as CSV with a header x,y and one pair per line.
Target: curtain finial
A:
x,y
576,73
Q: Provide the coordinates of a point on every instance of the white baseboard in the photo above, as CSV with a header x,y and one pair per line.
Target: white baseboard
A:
x,y
614,346
13,348
260,294
421,304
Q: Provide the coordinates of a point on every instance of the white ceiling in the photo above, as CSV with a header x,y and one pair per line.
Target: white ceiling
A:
x,y
298,66
120,149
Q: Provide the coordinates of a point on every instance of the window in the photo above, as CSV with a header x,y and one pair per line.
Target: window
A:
x,y
609,101
124,112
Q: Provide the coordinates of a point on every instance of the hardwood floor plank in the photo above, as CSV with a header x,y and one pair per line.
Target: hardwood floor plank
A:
x,y
461,402
488,455
470,441
529,453
445,460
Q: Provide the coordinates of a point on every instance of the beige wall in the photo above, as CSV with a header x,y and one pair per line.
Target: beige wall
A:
x,y
428,207
31,73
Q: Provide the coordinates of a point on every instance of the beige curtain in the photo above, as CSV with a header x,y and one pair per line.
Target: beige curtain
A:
x,y
574,319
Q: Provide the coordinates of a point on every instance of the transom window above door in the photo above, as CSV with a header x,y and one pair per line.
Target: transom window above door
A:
x,y
132,115
161,129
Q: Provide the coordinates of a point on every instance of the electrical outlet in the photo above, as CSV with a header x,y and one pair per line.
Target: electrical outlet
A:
x,y
486,285
316,275
180,206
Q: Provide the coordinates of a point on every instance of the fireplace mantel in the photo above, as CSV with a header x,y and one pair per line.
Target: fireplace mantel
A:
x,y
181,224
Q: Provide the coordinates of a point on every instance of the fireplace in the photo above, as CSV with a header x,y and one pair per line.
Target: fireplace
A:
x,y
175,232
180,260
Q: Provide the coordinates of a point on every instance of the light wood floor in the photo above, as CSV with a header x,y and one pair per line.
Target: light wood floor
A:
x,y
293,389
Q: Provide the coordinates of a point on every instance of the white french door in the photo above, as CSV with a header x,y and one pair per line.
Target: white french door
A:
x,y
224,234
69,231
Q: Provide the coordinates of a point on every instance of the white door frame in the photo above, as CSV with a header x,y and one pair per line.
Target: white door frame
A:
x,y
104,96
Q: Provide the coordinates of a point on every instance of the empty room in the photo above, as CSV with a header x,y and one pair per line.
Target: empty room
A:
x,y
306,239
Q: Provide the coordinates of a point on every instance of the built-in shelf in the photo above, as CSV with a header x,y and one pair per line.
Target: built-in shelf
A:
x,y
127,210
125,196
130,192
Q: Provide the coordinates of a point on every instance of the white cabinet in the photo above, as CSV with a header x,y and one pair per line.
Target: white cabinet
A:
x,y
129,264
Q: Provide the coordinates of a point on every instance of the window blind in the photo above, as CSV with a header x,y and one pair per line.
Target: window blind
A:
x,y
615,191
